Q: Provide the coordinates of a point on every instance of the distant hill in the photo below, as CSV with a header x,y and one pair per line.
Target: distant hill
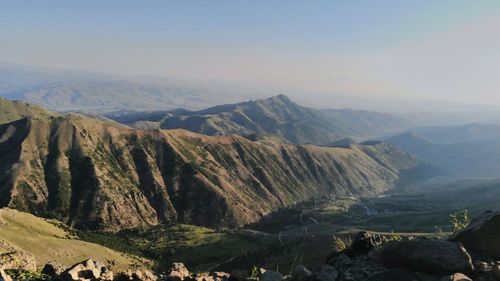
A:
x,y
68,90
478,158
277,115
97,174
15,110
459,133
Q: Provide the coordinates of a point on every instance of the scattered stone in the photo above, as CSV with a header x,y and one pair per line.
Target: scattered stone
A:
x,y
107,275
136,275
363,242
218,275
52,269
261,271
456,277
484,267
325,273
238,275
301,273
435,257
270,275
496,272
482,236
18,260
177,272
86,270
399,274
340,262
202,276
4,276
355,269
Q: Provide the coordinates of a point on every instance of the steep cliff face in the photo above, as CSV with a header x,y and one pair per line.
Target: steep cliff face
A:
x,y
100,175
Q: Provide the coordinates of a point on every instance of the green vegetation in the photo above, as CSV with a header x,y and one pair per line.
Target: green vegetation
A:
x,y
341,243
15,110
459,221
49,242
198,247
24,275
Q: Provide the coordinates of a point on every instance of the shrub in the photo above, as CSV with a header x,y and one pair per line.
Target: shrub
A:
x,y
341,243
459,221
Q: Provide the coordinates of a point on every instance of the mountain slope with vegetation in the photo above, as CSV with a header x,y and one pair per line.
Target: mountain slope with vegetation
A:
x,y
47,241
96,174
277,115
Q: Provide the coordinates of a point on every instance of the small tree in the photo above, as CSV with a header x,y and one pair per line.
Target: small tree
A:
x,y
459,221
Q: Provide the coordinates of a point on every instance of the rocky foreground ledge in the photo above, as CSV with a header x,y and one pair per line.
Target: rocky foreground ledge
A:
x,y
472,254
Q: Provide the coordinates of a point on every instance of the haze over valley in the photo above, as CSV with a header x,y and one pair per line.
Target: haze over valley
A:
x,y
249,141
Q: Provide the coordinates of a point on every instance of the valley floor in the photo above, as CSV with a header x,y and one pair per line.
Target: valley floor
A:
x,y
303,234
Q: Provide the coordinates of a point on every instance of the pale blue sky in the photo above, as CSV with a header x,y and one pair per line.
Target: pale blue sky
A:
x,y
408,49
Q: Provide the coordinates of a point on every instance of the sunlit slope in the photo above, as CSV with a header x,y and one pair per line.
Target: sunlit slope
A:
x,y
95,174
48,242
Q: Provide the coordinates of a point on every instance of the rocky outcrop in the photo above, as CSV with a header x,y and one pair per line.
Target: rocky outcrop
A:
x,y
88,270
52,269
482,236
301,273
399,274
456,277
136,275
178,272
18,260
430,256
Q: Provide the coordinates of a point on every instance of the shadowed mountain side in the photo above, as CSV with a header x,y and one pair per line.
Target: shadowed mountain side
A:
x,y
96,174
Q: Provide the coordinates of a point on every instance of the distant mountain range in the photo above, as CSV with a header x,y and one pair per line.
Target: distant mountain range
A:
x,y
67,90
459,133
97,174
278,116
461,151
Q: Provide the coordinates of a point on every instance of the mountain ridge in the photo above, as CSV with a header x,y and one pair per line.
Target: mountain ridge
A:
x,y
277,115
96,174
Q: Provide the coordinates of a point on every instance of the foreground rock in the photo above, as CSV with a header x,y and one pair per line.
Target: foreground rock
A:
x,y
325,273
18,260
239,275
399,274
356,268
301,273
456,277
87,270
52,269
363,243
177,272
435,257
270,275
4,276
482,236
136,275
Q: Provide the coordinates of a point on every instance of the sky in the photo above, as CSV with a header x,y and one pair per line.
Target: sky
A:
x,y
328,53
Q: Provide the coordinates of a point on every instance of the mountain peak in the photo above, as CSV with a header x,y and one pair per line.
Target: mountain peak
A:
x,y
280,97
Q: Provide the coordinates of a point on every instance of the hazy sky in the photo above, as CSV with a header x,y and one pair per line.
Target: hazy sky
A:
x,y
444,50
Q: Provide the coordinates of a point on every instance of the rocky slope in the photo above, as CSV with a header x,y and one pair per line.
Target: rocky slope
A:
x,y
369,257
97,174
276,115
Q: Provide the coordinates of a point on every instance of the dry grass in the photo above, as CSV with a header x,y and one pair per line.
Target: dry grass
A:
x,y
51,243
